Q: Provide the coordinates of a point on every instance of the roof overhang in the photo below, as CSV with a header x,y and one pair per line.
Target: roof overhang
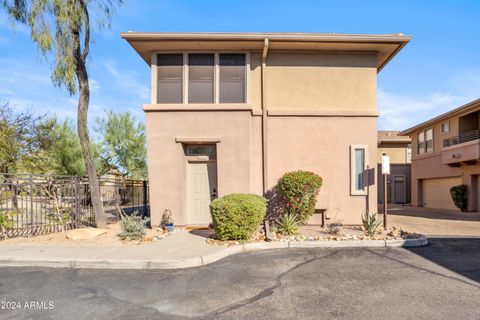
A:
x,y
385,46
466,108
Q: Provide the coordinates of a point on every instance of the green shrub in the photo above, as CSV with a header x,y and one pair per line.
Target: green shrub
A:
x,y
237,216
132,226
460,196
299,189
5,220
371,222
288,224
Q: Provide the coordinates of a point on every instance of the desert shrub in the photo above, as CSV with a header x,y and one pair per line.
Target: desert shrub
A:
x,y
334,228
5,220
167,217
287,225
237,216
299,190
132,227
460,196
371,222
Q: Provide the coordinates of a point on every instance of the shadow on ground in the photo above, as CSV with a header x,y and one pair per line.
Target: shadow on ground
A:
x,y
460,255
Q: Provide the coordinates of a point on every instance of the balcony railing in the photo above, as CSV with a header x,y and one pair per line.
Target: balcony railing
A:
x,y
461,138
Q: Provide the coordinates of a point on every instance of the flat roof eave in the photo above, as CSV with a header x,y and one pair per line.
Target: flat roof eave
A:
x,y
386,46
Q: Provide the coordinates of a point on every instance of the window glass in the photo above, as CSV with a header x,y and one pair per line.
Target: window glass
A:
x,y
359,168
429,138
445,127
201,78
232,78
421,142
201,150
170,78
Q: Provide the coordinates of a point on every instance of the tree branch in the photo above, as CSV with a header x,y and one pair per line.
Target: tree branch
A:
x,y
86,41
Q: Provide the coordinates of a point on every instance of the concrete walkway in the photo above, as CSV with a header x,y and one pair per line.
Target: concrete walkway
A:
x,y
179,250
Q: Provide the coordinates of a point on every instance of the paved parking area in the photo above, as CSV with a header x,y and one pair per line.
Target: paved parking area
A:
x,y
440,281
435,222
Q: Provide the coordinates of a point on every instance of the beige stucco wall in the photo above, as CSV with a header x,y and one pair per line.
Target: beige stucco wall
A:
x,y
339,84
167,162
322,145
321,81
294,143
396,152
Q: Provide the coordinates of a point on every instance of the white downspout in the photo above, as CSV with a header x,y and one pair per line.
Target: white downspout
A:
x,y
264,116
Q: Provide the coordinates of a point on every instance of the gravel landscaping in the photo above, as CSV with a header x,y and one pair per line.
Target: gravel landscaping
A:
x,y
88,236
316,233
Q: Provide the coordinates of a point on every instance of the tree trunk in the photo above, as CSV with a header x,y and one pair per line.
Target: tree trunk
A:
x,y
83,101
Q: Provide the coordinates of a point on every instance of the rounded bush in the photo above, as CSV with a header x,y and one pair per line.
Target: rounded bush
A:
x,y
460,196
237,216
299,189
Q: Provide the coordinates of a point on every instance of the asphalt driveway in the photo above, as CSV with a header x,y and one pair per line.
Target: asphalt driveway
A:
x,y
440,281
436,222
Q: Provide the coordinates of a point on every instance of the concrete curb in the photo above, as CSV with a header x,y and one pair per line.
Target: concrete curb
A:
x,y
206,259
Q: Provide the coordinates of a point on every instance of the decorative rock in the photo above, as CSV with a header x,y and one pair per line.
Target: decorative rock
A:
x,y
84,233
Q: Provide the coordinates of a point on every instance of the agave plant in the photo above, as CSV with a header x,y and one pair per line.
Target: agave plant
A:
x,y
288,224
371,222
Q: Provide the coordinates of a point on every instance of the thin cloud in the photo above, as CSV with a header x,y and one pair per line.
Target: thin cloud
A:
x,y
400,111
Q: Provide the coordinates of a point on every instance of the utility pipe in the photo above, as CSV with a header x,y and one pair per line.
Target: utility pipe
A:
x,y
264,116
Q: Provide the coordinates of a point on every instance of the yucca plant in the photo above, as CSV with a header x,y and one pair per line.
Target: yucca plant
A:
x,y
371,222
288,224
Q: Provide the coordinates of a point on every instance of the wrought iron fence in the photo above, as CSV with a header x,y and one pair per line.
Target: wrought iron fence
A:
x,y
38,204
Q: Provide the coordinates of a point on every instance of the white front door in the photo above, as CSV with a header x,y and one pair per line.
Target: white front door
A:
x,y
201,189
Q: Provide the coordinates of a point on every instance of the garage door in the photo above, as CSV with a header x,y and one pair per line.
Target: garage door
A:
x,y
436,192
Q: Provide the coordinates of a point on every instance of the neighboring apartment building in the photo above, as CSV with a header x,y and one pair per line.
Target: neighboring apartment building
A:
x,y
232,112
446,150
399,149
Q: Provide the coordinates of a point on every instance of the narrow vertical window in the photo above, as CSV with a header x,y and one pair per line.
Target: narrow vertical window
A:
x,y
201,78
429,140
232,78
421,142
358,166
409,153
170,78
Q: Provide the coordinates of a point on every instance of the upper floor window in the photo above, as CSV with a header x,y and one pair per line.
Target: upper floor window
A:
x,y
409,153
170,78
425,141
201,70
201,78
232,78
445,127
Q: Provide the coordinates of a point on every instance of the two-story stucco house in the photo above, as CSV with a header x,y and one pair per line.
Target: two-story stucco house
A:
x,y
446,151
232,112
399,149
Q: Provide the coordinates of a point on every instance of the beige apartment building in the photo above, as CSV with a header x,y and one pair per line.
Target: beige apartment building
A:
x,y
446,150
399,150
232,112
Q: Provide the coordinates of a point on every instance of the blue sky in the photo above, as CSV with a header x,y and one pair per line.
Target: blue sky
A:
x,y
437,71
